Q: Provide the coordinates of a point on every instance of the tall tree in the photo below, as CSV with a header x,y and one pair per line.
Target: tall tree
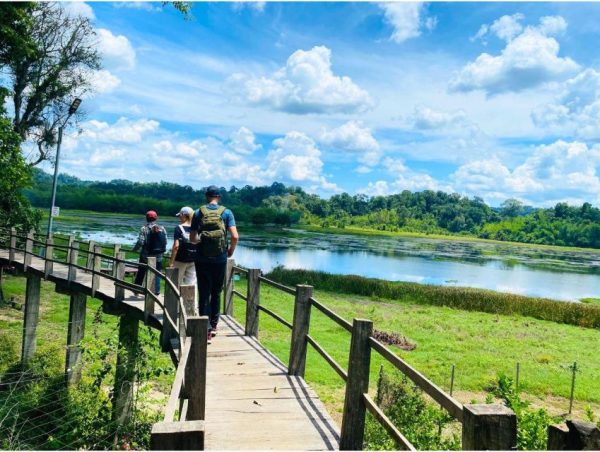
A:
x,y
49,56
15,209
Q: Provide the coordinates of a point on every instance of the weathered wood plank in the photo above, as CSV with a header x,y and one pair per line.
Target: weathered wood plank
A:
x,y
31,317
253,295
300,330
75,333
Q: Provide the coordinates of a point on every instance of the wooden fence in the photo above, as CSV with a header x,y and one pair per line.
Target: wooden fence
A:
x,y
489,426
183,332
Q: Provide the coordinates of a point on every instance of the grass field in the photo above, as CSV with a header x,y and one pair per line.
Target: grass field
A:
x,y
480,345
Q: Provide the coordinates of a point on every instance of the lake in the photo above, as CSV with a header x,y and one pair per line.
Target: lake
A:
x,y
526,270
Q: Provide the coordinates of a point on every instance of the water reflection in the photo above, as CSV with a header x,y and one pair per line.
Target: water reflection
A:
x,y
564,275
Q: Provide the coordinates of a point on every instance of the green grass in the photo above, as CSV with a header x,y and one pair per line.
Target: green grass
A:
x,y
465,298
480,345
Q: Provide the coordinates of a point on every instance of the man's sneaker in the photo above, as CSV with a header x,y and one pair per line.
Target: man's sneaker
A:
x,y
213,331
209,337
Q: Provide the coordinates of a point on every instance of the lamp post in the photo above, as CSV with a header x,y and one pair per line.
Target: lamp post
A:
x,y
72,109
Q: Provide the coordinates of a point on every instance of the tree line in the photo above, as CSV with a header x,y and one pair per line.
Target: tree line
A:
x,y
430,212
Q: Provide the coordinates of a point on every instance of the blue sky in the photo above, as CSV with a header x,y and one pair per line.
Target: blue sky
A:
x,y
493,99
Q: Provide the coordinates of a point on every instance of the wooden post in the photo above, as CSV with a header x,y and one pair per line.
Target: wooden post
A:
x,y
187,435
96,264
228,288
125,372
13,245
359,361
171,307
489,427
119,273
188,295
49,256
73,254
28,251
116,255
31,316
90,256
149,286
75,333
69,245
195,371
253,293
301,324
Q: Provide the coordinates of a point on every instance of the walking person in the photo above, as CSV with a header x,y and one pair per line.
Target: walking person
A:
x,y
211,224
152,242
183,252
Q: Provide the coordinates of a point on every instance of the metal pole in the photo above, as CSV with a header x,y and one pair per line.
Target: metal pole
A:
x,y
517,380
452,381
574,368
54,181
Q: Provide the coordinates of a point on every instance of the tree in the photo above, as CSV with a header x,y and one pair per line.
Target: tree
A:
x,y
511,207
50,57
15,209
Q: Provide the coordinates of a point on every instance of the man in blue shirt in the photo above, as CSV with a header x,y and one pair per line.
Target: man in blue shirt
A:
x,y
211,224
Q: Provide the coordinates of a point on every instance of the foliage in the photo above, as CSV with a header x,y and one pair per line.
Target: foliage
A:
x,y
50,57
456,297
425,212
532,425
423,424
38,411
15,208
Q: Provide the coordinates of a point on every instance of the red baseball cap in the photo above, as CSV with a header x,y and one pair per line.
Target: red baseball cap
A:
x,y
151,215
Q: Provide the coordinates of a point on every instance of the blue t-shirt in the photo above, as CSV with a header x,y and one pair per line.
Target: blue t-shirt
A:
x,y
229,221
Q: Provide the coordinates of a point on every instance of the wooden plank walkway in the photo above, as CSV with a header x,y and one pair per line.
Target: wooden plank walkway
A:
x,y
251,402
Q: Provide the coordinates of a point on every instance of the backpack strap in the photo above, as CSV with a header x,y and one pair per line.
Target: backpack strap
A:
x,y
220,210
204,211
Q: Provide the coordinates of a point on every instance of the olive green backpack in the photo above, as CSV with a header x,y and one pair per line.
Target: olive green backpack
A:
x,y
211,232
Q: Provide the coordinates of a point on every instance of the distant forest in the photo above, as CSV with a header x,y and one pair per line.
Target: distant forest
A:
x,y
427,212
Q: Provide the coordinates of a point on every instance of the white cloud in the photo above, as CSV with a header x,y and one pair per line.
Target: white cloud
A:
x,y
425,118
306,84
103,81
556,171
404,179
123,131
576,109
116,51
295,159
407,19
354,137
143,6
243,141
528,60
78,8
256,6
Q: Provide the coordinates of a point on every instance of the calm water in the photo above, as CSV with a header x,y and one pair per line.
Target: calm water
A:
x,y
561,275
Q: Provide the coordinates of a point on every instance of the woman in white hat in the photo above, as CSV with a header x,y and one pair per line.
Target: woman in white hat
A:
x,y
183,252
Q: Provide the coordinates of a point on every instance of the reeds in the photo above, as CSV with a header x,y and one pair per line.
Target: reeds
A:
x,y
470,299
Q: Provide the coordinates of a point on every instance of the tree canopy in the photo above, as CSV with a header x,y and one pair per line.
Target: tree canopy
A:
x,y
49,57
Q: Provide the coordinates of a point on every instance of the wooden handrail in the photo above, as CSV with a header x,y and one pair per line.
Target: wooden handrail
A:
x,y
177,383
275,316
277,285
387,424
332,362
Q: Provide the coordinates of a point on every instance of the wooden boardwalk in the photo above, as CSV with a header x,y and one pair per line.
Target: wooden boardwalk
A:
x,y
251,402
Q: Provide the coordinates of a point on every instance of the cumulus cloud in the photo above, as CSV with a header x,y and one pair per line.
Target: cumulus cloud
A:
x,y
506,28
296,158
306,84
408,19
355,138
103,81
123,131
576,109
555,171
143,6
404,179
243,141
426,118
77,8
529,59
116,51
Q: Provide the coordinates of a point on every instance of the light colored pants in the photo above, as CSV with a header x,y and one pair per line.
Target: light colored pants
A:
x,y
187,272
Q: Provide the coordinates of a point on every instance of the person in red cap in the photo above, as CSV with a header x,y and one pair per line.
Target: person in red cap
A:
x,y
152,241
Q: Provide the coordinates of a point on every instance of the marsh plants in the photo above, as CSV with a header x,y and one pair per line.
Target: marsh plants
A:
x,y
37,411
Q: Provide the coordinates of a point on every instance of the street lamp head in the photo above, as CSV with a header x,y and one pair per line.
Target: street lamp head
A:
x,y
74,106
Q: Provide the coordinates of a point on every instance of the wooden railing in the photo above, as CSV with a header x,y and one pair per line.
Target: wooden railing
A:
x,y
491,427
183,332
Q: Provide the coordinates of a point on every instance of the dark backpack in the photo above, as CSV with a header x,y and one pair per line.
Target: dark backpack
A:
x,y
211,232
187,250
156,240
